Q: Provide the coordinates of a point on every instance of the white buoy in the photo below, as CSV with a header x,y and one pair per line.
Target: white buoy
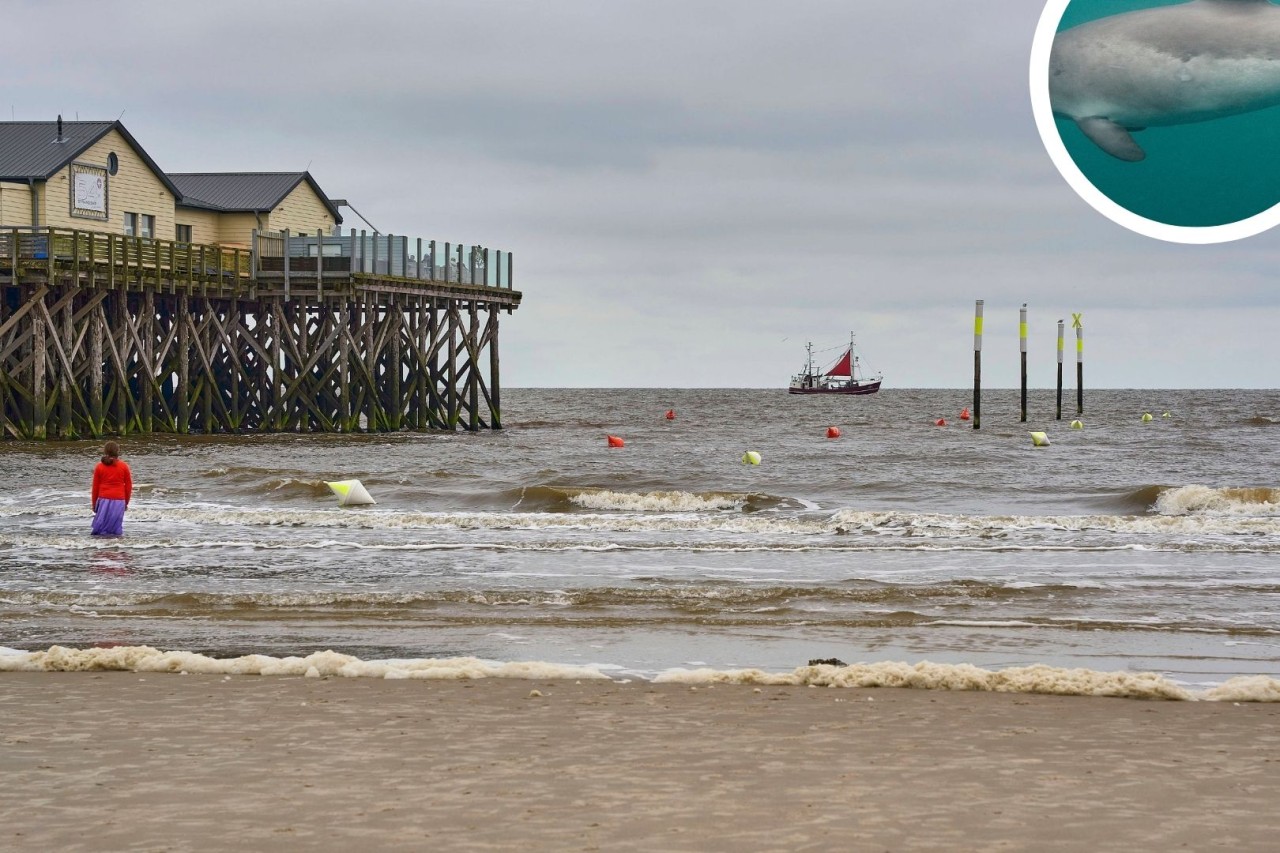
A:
x,y
1077,424
351,493
751,458
1039,439
1146,417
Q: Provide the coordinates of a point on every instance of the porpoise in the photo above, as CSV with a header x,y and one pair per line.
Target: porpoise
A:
x,y
1189,62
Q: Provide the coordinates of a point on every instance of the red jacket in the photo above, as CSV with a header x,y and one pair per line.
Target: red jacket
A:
x,y
112,481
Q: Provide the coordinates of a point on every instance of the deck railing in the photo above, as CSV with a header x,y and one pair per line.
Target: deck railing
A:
x,y
392,255
31,249
26,249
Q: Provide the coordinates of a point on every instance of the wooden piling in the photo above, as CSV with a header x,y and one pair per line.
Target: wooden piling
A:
x,y
121,335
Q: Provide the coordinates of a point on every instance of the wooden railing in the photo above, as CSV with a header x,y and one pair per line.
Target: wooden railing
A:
x,y
28,250
49,253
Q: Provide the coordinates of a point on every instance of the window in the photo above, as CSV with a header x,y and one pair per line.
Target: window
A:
x,y
130,224
182,233
148,229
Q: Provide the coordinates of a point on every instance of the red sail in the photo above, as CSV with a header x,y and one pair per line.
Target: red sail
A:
x,y
842,367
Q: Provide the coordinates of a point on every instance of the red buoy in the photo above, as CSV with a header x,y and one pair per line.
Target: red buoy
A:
x,y
614,441
833,432
671,414
940,422
964,414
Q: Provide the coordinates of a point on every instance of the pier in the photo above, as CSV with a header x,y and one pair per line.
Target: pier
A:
x,y
109,334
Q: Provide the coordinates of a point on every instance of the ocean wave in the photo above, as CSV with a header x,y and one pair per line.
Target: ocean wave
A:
x,y
1206,500
1039,678
544,498
1188,523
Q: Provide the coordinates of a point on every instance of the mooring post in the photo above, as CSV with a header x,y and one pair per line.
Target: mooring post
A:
x,y
1060,325
977,365
1022,346
417,266
431,270
1079,326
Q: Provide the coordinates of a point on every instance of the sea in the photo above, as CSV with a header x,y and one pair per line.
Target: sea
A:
x,y
1194,175
911,549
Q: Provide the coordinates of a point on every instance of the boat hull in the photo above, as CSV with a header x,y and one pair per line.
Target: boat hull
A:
x,y
861,388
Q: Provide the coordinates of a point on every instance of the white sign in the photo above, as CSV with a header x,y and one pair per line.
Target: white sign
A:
x,y
91,192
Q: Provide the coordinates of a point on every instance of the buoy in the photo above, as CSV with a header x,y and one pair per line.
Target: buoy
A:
x,y
1146,417
1039,439
350,493
833,432
964,414
1166,415
614,441
940,422
751,458
671,414
1077,424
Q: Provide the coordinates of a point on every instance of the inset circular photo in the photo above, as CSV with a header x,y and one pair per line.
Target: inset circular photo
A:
x,y
1162,113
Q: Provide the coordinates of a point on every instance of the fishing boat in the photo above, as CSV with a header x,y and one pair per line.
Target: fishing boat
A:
x,y
843,377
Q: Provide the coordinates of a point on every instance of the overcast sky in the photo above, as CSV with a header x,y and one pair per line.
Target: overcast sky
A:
x,y
691,190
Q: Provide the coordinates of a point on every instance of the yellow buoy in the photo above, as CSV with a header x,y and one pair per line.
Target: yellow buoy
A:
x,y
1039,439
1146,417
350,493
1077,424
751,458
1166,415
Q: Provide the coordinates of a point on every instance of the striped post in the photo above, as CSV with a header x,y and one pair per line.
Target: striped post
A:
x,y
1079,327
977,365
1060,328
1022,347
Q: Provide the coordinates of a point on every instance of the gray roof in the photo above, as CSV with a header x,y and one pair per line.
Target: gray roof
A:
x,y
29,150
244,191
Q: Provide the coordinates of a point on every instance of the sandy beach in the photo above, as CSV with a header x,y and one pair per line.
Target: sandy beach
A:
x,y
130,761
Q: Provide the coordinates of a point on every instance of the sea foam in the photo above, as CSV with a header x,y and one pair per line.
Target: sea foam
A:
x,y
924,675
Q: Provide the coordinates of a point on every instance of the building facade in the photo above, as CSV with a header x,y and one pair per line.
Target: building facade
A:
x,y
94,176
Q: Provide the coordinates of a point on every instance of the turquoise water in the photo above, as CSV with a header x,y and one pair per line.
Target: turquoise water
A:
x,y
1202,174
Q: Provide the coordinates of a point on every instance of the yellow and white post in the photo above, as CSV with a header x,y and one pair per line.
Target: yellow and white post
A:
x,y
1079,327
1022,347
1060,329
977,365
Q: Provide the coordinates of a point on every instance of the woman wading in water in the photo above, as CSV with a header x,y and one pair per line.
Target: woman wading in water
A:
x,y
112,488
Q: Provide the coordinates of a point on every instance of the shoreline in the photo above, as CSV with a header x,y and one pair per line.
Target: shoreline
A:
x,y
128,760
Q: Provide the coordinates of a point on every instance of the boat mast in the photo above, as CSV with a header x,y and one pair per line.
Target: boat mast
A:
x,y
853,362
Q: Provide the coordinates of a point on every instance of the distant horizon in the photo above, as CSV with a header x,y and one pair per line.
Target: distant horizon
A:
x,y
884,390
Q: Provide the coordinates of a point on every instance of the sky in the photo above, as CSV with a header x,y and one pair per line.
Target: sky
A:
x,y
692,190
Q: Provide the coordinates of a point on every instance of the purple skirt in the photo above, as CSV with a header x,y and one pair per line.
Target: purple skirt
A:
x,y
108,520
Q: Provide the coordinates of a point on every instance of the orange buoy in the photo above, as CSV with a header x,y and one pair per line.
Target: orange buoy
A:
x,y
614,441
940,422
671,414
833,432
964,414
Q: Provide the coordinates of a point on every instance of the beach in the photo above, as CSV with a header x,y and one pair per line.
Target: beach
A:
x,y
160,761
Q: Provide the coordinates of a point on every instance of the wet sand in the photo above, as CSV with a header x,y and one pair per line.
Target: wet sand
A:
x,y
128,761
